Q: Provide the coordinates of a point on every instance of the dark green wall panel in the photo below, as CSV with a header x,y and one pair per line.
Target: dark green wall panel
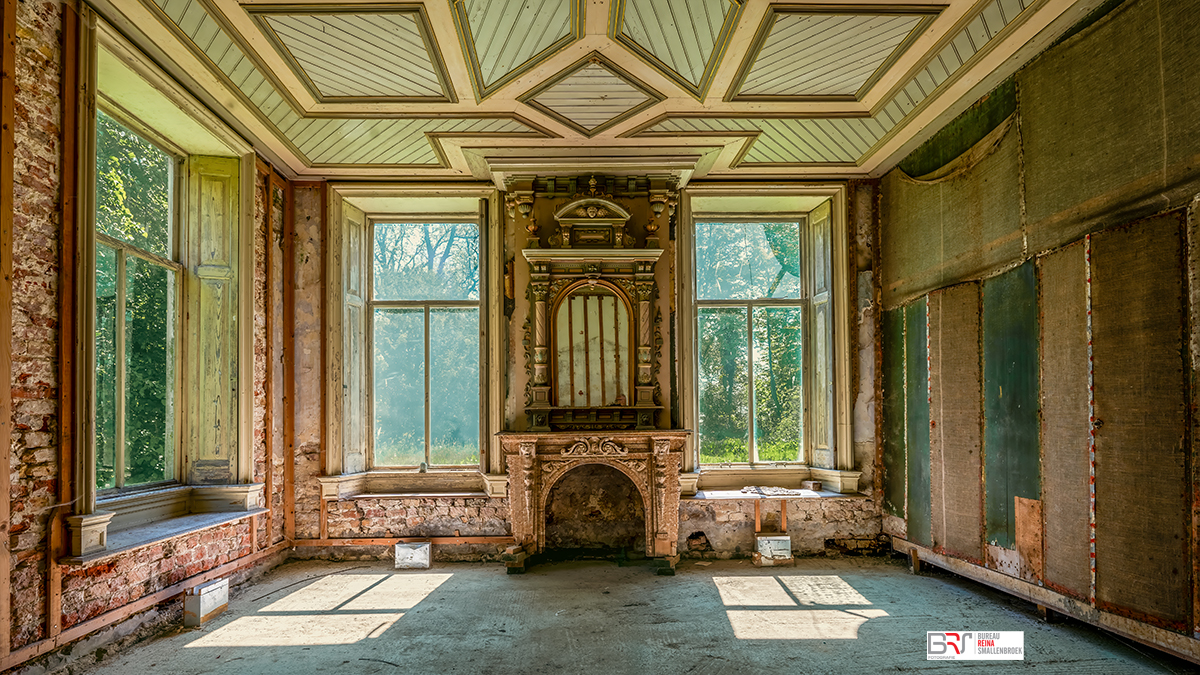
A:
x,y
1010,399
917,405
894,440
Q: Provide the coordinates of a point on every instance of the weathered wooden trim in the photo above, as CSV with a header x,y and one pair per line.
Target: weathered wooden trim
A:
x,y
36,649
392,541
247,179
323,453
289,363
8,58
1178,644
1192,265
66,314
323,510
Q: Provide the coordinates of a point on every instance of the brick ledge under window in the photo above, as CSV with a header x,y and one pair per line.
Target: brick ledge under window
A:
x,y
153,533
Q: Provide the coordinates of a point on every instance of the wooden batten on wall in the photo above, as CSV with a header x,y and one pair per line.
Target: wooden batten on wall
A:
x,y
7,155
289,363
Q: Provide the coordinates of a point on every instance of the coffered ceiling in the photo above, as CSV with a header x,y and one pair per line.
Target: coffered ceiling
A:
x,y
490,89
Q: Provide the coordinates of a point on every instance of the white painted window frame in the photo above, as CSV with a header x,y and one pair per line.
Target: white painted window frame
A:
x,y
695,477
94,512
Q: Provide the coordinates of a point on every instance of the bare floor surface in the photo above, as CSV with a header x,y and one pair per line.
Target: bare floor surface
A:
x,y
835,615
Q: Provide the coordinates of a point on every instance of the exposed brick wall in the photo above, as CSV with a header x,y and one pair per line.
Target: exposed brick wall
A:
x,y
428,517
108,584
815,525
35,312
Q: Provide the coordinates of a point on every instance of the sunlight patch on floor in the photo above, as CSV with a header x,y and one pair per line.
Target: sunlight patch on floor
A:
x,y
753,592
799,624
297,630
823,590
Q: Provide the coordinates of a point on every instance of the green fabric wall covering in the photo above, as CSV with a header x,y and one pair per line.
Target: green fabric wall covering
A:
x,y
1010,399
917,376
963,131
894,441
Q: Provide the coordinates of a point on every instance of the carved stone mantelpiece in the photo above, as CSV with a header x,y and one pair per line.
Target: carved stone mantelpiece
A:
x,y
651,459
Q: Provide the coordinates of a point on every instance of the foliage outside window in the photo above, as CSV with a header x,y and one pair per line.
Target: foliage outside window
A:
x,y
425,337
751,308
137,317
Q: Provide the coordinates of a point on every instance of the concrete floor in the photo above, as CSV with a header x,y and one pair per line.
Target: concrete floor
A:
x,y
836,615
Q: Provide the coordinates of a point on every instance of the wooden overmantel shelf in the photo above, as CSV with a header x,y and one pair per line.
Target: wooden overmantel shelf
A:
x,y
592,255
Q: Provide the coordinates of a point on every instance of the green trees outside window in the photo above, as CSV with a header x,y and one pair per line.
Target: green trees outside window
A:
x,y
137,298
425,343
750,306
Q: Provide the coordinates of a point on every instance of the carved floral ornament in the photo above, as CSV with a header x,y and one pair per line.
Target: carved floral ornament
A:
x,y
595,446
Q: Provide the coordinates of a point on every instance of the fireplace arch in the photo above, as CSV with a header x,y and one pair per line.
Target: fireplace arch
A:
x,y
596,506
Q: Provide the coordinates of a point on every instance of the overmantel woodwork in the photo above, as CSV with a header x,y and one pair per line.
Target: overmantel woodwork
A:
x,y
594,243
651,459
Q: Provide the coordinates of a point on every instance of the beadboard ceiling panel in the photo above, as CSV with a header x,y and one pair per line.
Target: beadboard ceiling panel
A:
x,y
825,54
504,38
816,89
684,40
591,96
367,55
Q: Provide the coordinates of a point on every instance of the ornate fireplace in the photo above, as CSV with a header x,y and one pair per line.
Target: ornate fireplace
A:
x,y
651,459
599,281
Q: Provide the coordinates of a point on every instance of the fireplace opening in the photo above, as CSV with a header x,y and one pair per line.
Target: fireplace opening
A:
x,y
595,511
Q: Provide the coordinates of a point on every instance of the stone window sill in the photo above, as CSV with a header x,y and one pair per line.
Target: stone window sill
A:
x,y
139,536
94,534
406,484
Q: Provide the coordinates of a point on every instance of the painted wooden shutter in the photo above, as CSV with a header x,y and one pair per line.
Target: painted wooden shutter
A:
x,y
354,408
211,353
820,332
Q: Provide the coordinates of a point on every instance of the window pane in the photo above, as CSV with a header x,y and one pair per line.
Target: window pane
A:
x,y
133,188
399,396
745,261
724,396
149,372
426,261
778,383
454,386
106,367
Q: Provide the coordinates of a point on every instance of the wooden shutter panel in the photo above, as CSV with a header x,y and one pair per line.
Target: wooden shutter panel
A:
x,y
354,408
820,335
211,353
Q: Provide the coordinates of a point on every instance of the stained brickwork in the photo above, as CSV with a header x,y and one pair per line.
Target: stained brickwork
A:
x,y
35,312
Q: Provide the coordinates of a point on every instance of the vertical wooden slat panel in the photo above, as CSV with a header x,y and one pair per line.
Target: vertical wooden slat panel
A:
x,y
1142,507
7,153
1065,445
917,427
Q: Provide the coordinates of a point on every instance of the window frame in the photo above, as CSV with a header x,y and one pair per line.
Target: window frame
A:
x,y
123,250
371,303
803,302
763,202
128,510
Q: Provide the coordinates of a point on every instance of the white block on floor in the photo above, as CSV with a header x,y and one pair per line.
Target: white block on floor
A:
x,y
205,601
773,550
414,556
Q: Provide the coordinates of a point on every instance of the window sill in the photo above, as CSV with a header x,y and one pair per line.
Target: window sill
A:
x,y
735,478
149,534
97,533
405,484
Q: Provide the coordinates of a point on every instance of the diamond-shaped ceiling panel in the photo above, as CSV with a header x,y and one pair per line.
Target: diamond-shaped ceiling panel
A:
x,y
683,40
825,55
505,38
592,96
360,55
